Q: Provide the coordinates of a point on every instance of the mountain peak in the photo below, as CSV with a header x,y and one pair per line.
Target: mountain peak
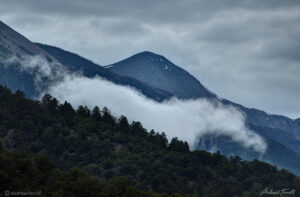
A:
x,y
159,72
148,55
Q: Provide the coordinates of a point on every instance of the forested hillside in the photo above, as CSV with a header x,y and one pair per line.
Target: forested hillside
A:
x,y
106,147
22,175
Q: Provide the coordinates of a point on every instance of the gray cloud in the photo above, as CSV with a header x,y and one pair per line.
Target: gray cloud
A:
x,y
187,120
245,51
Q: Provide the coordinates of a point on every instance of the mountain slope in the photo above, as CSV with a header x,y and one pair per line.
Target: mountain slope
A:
x,y
274,127
17,73
159,72
75,63
19,172
105,147
276,153
261,118
14,44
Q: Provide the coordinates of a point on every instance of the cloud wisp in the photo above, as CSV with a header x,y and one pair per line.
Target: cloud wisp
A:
x,y
44,72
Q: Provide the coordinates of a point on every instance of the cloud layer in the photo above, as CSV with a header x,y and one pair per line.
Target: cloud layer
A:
x,y
245,51
187,120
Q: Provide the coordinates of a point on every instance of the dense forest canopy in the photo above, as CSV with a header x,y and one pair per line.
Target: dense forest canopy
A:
x,y
89,152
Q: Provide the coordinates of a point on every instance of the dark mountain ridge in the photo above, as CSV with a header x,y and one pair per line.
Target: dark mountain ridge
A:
x,y
161,73
15,46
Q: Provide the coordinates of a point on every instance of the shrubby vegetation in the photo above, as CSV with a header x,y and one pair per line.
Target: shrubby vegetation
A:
x,y
20,173
105,147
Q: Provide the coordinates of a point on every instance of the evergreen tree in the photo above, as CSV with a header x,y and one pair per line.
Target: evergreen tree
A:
x,y
96,115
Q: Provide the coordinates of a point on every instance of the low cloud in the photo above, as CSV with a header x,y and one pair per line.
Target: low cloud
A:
x,y
188,120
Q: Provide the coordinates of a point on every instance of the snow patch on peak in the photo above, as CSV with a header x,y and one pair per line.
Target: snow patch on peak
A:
x,y
166,67
150,57
161,60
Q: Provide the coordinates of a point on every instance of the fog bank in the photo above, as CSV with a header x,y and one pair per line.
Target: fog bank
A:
x,y
188,120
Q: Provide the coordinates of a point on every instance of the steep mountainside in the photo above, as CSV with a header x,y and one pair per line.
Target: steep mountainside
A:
x,y
14,44
159,72
261,118
76,63
15,49
106,147
276,153
274,127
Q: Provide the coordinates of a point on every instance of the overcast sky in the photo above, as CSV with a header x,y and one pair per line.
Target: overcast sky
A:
x,y
244,51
